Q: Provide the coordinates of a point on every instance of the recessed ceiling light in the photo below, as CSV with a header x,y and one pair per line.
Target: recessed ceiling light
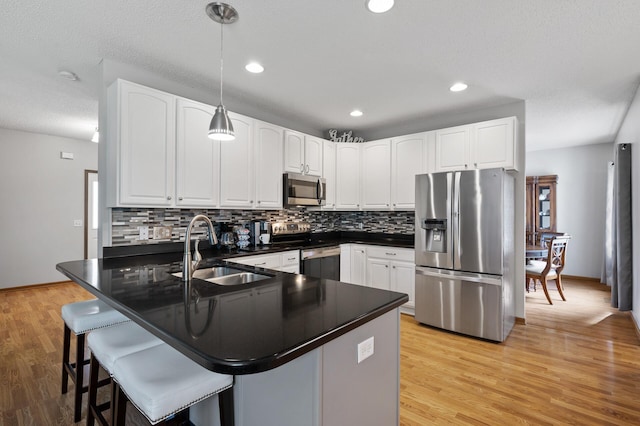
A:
x,y
68,75
458,87
356,113
254,67
379,6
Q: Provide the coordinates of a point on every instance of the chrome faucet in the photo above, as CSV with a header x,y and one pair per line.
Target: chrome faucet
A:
x,y
188,265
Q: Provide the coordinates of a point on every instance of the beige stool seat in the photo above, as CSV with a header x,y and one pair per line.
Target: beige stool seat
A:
x,y
80,318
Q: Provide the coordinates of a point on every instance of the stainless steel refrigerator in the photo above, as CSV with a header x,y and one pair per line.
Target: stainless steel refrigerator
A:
x,y
464,245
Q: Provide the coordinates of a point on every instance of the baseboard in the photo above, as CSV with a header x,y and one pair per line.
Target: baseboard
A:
x,y
30,286
577,277
635,325
521,321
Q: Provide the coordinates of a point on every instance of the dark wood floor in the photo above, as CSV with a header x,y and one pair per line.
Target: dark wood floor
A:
x,y
576,362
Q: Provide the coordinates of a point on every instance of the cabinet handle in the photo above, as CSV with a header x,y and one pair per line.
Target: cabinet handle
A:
x,y
258,201
169,197
251,201
307,169
394,204
466,166
390,254
179,198
386,266
387,204
258,264
393,267
291,258
475,165
301,168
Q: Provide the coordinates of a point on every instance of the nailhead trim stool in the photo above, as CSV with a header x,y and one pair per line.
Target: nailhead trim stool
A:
x,y
161,382
82,317
106,346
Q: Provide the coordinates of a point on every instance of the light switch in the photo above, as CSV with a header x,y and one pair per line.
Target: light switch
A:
x,y
365,349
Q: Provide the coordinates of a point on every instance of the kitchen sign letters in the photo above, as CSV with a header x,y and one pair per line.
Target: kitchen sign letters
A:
x,y
344,137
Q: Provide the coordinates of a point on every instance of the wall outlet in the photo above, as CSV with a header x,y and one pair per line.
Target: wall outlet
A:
x,y
365,349
162,232
143,232
77,222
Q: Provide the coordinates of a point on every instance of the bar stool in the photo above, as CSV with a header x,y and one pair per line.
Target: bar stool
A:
x,y
82,317
161,382
106,346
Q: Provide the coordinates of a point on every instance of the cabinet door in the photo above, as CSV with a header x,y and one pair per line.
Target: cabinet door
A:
x,y
493,144
348,176
197,156
329,173
146,137
236,165
268,165
358,265
378,273
407,161
293,152
452,149
403,279
312,156
376,175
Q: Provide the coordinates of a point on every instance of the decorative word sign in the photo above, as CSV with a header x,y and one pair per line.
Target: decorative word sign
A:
x,y
344,137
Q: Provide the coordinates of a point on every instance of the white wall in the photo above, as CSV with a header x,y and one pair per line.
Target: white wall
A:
x,y
581,196
41,196
630,133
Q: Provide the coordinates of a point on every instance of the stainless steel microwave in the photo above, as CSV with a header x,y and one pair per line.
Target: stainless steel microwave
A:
x,y
303,190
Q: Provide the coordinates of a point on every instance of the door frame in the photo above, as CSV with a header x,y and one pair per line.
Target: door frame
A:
x,y
87,172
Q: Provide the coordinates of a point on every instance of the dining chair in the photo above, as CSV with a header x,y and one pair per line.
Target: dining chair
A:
x,y
551,269
162,383
545,237
106,346
81,318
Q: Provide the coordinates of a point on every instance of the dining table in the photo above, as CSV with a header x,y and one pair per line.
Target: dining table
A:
x,y
535,252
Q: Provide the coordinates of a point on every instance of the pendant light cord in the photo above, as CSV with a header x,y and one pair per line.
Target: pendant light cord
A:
x,y
221,58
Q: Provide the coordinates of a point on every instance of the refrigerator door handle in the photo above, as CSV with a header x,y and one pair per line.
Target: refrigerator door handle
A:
x,y
455,240
457,275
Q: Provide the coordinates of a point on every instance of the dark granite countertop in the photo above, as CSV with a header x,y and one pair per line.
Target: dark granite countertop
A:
x,y
240,329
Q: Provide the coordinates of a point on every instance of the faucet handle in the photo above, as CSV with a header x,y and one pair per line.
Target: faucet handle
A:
x,y
197,257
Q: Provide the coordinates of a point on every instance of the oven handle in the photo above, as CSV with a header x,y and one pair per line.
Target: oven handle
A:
x,y
319,252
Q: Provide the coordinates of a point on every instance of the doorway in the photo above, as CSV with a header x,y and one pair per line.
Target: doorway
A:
x,y
90,214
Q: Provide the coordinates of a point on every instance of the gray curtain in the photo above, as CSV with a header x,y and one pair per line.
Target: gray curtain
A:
x,y
617,267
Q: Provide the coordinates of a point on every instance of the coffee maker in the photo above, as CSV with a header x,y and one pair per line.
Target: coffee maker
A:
x,y
257,228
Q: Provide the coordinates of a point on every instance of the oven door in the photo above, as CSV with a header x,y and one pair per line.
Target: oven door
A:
x,y
321,262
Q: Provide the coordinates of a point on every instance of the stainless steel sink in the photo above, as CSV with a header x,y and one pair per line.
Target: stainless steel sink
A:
x,y
224,275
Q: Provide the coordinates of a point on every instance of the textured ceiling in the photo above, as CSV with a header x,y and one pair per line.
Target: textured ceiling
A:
x,y
574,63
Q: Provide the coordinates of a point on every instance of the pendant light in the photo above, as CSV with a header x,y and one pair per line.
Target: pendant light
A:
x,y
221,127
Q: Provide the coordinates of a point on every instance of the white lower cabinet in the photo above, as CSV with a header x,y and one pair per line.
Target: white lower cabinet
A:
x,y
288,261
387,268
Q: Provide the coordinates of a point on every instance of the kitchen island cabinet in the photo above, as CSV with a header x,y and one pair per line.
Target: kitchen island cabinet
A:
x,y
316,373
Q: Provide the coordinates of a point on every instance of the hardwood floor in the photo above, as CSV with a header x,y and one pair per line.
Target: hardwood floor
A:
x,y
575,362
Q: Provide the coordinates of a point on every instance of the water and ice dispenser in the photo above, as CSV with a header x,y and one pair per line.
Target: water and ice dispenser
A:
x,y
436,235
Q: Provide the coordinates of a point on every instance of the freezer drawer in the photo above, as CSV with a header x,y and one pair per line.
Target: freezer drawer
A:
x,y
469,305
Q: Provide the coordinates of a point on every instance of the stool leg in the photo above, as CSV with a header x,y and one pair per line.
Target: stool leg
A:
x,y
120,414
66,343
93,390
225,402
77,413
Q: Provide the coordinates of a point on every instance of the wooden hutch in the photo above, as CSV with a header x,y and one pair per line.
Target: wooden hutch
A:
x,y
541,206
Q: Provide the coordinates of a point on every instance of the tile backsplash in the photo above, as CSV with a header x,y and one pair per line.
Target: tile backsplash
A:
x,y
125,221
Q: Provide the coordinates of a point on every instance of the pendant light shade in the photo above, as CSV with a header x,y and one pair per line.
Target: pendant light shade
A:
x,y
221,127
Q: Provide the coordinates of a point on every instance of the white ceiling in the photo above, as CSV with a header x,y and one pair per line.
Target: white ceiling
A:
x,y
574,62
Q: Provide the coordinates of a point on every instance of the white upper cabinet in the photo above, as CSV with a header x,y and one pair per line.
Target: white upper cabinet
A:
x,y
302,153
236,165
376,175
348,176
313,155
197,156
329,173
477,146
452,149
141,145
408,159
494,143
268,165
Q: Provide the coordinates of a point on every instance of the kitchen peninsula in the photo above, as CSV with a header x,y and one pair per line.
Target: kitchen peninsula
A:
x,y
292,342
